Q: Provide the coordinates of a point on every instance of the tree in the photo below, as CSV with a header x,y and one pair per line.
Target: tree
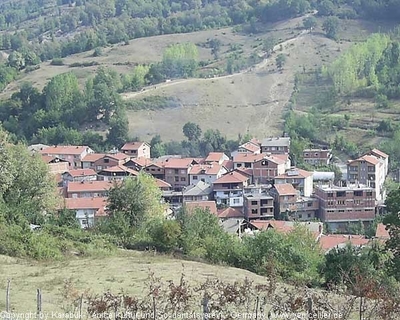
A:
x,y
192,131
136,199
280,60
215,45
16,60
331,26
269,44
310,23
326,8
392,222
119,129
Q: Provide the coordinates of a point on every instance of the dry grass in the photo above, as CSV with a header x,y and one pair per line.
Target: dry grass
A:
x,y
128,271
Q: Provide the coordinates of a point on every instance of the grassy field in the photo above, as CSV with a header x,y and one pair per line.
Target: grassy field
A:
x,y
125,271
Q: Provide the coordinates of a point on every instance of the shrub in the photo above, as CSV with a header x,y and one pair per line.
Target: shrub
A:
x,y
97,52
57,62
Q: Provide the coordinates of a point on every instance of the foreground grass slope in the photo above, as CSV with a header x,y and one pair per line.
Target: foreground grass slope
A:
x,y
127,271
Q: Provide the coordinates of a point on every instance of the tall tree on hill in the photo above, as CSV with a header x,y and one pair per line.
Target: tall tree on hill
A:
x,y
192,131
331,26
119,128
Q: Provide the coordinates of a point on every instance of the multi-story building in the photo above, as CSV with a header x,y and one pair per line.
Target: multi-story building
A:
x,y
228,190
339,206
207,173
79,175
136,149
383,156
305,209
88,210
300,179
368,170
317,157
285,197
276,145
73,154
218,157
258,204
119,172
89,189
177,171
199,192
251,147
262,167
55,164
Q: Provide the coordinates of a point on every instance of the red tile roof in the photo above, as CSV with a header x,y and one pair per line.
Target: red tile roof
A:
x,y
230,213
231,177
132,145
214,157
162,184
89,186
379,153
120,169
381,231
368,158
285,189
176,163
228,164
212,169
286,226
142,162
248,157
98,203
331,241
93,157
210,205
68,150
117,156
250,146
82,172
301,174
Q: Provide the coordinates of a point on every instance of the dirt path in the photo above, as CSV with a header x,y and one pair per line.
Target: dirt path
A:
x,y
253,69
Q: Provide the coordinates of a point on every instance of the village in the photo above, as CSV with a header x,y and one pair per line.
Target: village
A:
x,y
255,188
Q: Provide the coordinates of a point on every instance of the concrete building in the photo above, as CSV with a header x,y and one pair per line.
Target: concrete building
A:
x,y
317,157
73,154
276,145
207,173
339,206
228,190
258,204
301,180
136,149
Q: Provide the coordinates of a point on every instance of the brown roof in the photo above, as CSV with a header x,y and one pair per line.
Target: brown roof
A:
x,y
379,153
331,241
214,156
117,156
120,168
250,146
132,145
82,172
301,174
381,231
281,156
73,150
231,177
228,164
176,163
370,159
210,205
230,213
286,226
248,157
142,162
93,157
89,186
98,203
212,168
162,184
285,189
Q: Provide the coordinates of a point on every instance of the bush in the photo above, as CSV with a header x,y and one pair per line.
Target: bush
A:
x,y
57,62
97,52
84,64
32,68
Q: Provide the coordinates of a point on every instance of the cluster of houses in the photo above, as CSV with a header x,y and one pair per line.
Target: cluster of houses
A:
x,y
255,188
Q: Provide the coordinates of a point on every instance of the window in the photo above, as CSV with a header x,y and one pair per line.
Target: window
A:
x,y
84,222
369,193
183,171
353,168
340,193
247,165
306,154
263,210
183,179
316,154
176,179
106,160
254,211
308,215
264,163
238,165
309,204
152,169
176,171
203,180
371,169
236,201
254,203
340,202
300,216
341,210
358,193
194,177
330,195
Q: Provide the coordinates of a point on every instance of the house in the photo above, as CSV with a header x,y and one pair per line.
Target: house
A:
x,y
383,156
228,190
285,197
262,167
317,157
211,206
207,173
315,228
258,205
276,145
305,209
88,189
137,149
73,154
79,175
218,157
156,170
88,210
201,191
177,171
118,172
248,147
368,170
110,160
230,213
55,164
88,162
340,206
338,241
164,186
301,180
35,148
